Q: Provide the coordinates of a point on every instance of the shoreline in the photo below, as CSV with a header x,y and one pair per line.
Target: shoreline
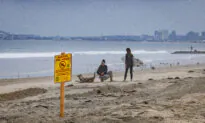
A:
x,y
9,85
118,72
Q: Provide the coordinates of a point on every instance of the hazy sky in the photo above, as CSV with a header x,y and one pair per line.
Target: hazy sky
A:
x,y
100,17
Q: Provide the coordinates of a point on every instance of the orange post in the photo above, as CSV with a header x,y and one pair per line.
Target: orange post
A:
x,y
62,100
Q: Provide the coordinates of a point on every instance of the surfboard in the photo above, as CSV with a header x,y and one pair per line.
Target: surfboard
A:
x,y
137,62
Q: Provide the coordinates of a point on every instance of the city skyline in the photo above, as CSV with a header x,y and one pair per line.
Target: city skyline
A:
x,y
98,17
158,35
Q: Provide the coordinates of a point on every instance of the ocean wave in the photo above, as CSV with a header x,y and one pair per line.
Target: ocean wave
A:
x,y
52,54
118,52
27,55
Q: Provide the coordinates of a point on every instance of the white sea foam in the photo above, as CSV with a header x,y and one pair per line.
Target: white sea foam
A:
x,y
119,52
52,54
27,55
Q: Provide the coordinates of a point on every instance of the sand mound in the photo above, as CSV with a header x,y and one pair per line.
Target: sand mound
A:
x,y
107,89
101,90
183,87
22,94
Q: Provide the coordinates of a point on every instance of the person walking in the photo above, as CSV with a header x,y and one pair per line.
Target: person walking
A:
x,y
128,64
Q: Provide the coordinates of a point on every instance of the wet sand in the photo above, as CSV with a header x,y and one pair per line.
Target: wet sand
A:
x,y
164,95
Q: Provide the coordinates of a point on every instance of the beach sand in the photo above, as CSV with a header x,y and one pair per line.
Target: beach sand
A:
x,y
165,95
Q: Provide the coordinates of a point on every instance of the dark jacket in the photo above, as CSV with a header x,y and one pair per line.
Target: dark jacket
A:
x,y
102,69
129,60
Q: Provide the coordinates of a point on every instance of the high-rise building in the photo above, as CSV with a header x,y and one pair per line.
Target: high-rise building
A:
x,y
165,35
192,36
2,35
173,36
161,35
157,35
203,35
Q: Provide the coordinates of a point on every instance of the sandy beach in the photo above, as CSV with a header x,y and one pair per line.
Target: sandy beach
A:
x,y
165,95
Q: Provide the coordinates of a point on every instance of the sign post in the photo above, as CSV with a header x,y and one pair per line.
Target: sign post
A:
x,y
62,100
62,74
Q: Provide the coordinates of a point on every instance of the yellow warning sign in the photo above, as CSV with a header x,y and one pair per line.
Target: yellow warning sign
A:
x,y
63,68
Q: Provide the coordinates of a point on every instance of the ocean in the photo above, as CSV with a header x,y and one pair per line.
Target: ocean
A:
x,y
34,58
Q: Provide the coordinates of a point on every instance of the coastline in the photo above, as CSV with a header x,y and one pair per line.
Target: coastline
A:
x,y
164,72
137,69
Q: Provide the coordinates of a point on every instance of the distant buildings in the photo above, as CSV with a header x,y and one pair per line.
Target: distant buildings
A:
x,y
165,35
3,35
9,36
192,36
203,35
161,35
157,36
146,38
173,36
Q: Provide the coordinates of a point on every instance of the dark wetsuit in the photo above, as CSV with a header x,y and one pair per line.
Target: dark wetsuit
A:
x,y
129,65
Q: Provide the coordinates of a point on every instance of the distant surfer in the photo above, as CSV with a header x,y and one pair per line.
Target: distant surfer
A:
x,y
128,63
191,48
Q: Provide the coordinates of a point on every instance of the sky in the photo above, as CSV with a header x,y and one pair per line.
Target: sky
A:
x,y
100,17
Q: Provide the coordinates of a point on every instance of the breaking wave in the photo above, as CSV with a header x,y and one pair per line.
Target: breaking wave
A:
x,y
52,54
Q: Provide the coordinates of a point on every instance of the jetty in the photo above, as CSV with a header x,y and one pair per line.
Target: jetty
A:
x,y
188,52
191,51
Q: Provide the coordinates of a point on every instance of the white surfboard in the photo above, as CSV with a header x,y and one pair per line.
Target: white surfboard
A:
x,y
137,62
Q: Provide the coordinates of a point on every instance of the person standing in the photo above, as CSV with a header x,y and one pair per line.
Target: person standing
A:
x,y
128,64
191,48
